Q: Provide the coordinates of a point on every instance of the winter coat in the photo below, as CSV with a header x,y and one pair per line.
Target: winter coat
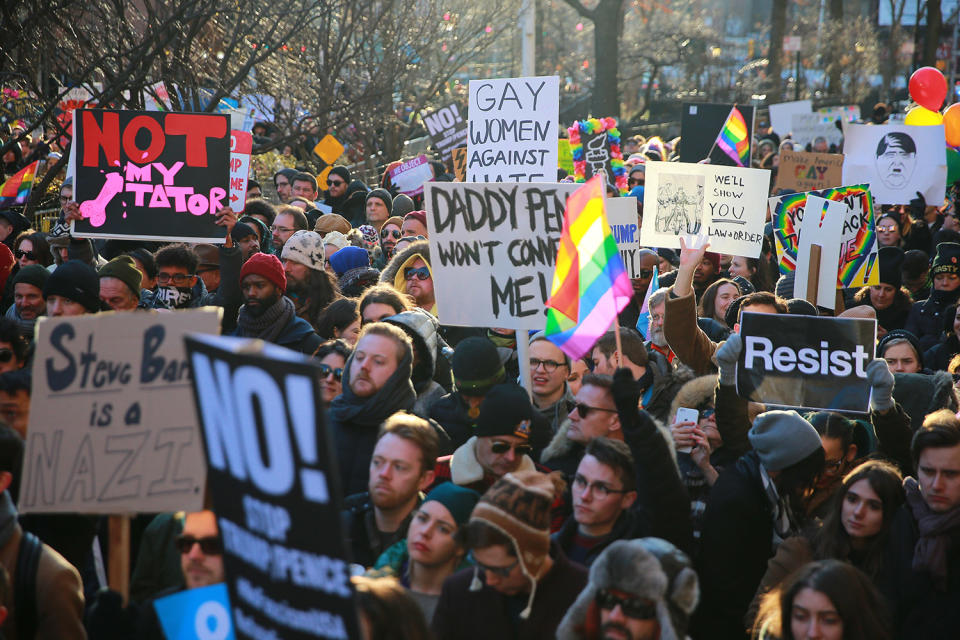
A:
x,y
432,372
627,527
484,614
668,378
938,356
360,529
927,316
685,337
354,207
556,413
894,316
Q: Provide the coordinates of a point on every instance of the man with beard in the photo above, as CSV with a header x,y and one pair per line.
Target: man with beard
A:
x,y
337,181
266,313
28,302
400,470
309,286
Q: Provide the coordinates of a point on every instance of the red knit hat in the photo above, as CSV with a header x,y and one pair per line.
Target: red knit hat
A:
x,y
714,258
267,266
420,216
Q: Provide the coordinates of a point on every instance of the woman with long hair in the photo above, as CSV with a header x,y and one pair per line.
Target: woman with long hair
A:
x,y
752,270
716,299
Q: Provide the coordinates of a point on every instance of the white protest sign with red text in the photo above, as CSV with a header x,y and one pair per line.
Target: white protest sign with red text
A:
x,y
241,145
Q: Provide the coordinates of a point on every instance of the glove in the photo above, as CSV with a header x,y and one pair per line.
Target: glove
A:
x,y
881,385
727,355
918,207
626,396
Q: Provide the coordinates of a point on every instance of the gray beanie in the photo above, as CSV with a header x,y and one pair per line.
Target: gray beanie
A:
x,y
782,439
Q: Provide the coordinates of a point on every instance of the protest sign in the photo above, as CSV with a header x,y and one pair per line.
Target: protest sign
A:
x,y
727,204
409,176
807,127
595,145
565,156
447,128
624,224
812,362
272,476
897,161
150,175
821,229
700,125
241,145
807,171
112,428
460,164
196,614
493,249
513,129
781,114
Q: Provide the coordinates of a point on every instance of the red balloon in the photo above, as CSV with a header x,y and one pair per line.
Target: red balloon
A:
x,y
928,88
951,124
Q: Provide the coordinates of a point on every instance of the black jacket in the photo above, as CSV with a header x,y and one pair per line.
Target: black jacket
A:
x,y
360,529
627,527
927,317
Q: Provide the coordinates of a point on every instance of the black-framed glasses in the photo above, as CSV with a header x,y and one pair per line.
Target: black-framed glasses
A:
x,y
396,233
503,572
499,447
275,229
585,409
176,278
210,545
6,355
326,370
600,490
548,365
335,183
421,273
29,255
632,607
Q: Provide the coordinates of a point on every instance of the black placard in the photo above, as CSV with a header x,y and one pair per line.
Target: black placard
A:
x,y
447,127
700,124
806,361
275,490
152,175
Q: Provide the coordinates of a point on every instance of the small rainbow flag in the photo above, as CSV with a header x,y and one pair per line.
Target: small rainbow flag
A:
x,y
590,285
16,189
734,138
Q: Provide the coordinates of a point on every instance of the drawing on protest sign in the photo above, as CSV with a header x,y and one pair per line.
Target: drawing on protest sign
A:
x,y
897,161
409,176
494,247
513,130
150,175
700,124
822,228
241,146
595,146
806,361
201,614
781,114
725,203
624,224
272,477
112,428
460,164
807,171
447,128
807,127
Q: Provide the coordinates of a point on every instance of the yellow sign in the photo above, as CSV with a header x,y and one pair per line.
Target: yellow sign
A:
x,y
328,150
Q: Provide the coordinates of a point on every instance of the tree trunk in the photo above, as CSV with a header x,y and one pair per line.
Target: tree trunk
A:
x,y
931,35
834,81
607,26
778,21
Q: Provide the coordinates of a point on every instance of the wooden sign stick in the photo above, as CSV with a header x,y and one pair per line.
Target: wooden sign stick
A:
x,y
813,274
118,560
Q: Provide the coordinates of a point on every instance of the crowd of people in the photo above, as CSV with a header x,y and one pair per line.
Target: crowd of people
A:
x,y
582,508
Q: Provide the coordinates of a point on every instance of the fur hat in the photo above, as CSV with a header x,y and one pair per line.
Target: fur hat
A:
x,y
266,266
648,568
305,247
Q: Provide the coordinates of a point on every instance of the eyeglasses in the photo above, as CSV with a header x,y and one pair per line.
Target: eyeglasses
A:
x,y
6,355
646,273
548,365
636,608
64,199
396,233
585,409
275,229
335,183
599,489
177,278
634,181
887,228
501,448
326,370
210,545
503,572
421,273
29,255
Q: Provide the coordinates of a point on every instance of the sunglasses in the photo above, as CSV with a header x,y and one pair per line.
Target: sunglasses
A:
x,y
585,409
634,181
335,183
6,355
503,572
29,255
887,228
326,370
211,545
421,273
176,278
501,448
636,608
646,273
396,233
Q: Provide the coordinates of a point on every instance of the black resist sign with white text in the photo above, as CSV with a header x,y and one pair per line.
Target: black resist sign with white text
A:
x,y
806,361
275,491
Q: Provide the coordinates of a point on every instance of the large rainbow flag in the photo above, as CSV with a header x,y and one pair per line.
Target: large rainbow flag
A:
x,y
734,138
590,284
16,189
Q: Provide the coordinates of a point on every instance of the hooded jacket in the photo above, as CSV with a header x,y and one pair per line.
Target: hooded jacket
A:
x,y
894,316
354,207
424,330
927,316
392,274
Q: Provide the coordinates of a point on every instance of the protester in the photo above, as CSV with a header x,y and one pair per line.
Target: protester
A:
x,y
340,320
387,611
120,284
309,286
716,299
389,234
147,266
926,317
889,299
549,368
382,301
288,221
28,301
282,183
72,290
336,195
332,355
938,356
31,247
415,224
752,270
902,351
428,354
331,222
647,261
409,272
246,238
354,273
378,207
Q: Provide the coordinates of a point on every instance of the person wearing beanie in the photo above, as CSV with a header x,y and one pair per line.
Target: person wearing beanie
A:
x,y
266,313
642,589
402,205
72,290
902,351
754,505
379,203
246,238
28,303
926,317
389,234
522,581
120,284
351,266
309,285
331,222
415,224
916,274
888,298
336,195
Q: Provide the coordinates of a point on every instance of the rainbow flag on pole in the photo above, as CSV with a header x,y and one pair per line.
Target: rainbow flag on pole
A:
x,y
16,189
734,138
590,284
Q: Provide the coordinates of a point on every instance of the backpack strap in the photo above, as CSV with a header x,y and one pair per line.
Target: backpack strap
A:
x,y
25,589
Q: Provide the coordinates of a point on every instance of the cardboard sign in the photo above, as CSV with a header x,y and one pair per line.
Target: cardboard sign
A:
x,y
273,477
807,127
700,125
409,177
493,249
447,128
812,362
460,163
807,171
727,204
112,428
781,114
241,146
196,614
151,175
822,227
513,129
624,224
897,161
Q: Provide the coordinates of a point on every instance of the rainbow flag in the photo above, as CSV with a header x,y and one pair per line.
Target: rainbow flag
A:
x,y
590,284
16,189
734,138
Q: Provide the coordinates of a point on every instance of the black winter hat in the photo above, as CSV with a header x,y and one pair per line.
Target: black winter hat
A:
x,y
947,259
241,230
476,366
382,194
505,411
902,334
34,274
891,265
341,171
75,280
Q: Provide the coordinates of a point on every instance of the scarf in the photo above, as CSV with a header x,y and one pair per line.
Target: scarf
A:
x,y
8,518
25,327
930,554
268,326
397,393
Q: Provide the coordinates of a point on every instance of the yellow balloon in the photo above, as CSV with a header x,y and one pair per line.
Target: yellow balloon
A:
x,y
922,117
